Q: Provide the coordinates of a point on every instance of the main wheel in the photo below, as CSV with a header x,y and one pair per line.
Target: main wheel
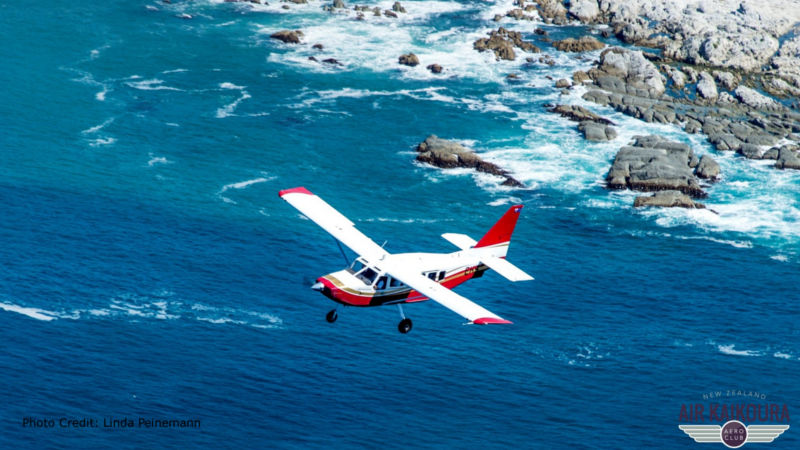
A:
x,y
332,316
404,326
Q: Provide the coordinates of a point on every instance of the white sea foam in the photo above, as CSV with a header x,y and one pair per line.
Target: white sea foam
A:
x,y
99,142
228,110
505,201
97,128
244,184
33,313
153,84
731,350
240,185
154,160
782,355
157,306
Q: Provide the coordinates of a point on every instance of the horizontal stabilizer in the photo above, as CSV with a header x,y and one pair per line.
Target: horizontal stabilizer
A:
x,y
506,269
461,241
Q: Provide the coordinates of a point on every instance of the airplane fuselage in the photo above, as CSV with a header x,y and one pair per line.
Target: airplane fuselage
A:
x,y
362,285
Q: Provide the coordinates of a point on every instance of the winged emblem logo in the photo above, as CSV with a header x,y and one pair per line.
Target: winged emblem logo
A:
x,y
733,433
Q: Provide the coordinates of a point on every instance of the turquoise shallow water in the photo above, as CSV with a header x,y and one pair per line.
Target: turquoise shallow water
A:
x,y
148,268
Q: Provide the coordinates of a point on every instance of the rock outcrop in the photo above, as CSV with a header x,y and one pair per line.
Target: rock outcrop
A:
x,y
408,59
708,168
584,44
435,68
448,154
653,163
502,43
619,68
288,36
787,159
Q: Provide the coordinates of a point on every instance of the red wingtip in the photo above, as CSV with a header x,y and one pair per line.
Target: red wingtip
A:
x,y
490,320
297,190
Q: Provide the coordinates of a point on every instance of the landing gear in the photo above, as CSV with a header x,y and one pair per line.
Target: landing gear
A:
x,y
332,316
405,325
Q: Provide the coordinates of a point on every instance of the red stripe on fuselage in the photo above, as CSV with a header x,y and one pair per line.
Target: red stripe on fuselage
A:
x,y
344,297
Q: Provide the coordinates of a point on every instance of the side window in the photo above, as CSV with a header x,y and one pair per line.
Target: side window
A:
x,y
367,275
381,284
432,275
394,282
441,276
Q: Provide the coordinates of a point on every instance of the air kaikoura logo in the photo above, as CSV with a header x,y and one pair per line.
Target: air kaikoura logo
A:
x,y
722,418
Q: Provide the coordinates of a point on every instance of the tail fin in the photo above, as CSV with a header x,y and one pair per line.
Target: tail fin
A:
x,y
501,231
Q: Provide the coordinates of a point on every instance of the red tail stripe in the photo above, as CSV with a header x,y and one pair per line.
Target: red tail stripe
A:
x,y
502,230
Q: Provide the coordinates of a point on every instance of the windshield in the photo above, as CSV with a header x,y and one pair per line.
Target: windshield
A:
x,y
356,266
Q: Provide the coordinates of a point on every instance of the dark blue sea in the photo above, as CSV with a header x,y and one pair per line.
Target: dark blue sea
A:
x,y
148,268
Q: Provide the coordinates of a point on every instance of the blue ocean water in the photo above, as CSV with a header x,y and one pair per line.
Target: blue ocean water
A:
x,y
149,269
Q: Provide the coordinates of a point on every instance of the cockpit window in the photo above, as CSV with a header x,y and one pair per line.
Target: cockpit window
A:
x,y
381,283
367,275
432,275
394,282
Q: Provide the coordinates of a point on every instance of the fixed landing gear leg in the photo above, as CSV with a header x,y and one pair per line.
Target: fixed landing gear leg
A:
x,y
405,325
332,316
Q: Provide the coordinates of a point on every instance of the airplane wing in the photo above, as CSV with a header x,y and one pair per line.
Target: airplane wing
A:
x,y
332,221
472,311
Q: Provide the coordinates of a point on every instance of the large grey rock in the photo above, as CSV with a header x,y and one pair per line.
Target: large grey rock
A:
x,y
706,87
754,99
751,151
707,168
631,67
787,159
448,154
667,199
593,131
584,10
552,11
654,164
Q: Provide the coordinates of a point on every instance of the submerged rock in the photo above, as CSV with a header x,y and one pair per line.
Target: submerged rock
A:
x,y
667,199
448,154
580,114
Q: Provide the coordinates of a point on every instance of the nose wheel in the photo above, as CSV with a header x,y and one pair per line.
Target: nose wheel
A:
x,y
332,316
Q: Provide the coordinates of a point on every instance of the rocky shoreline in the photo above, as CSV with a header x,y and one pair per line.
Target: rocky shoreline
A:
x,y
728,69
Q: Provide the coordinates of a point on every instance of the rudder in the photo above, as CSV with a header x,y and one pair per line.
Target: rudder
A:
x,y
502,230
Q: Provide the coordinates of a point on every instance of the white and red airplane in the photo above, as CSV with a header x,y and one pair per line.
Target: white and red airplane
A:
x,y
378,277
